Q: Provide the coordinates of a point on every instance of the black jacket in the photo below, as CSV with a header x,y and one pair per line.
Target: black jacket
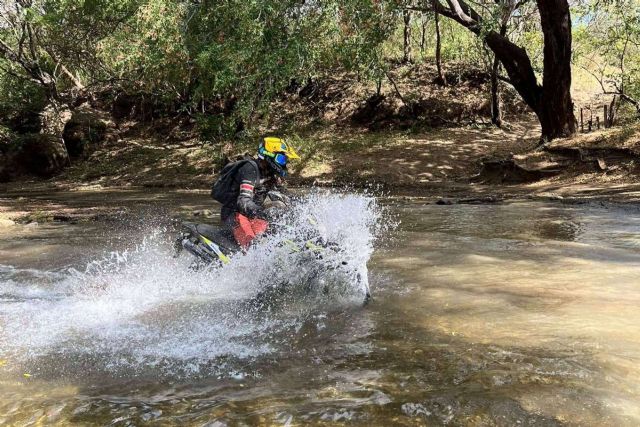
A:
x,y
244,190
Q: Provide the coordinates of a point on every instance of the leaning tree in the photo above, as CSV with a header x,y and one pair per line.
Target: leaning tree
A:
x,y
551,99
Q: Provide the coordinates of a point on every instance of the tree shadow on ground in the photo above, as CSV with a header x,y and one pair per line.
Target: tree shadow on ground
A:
x,y
436,156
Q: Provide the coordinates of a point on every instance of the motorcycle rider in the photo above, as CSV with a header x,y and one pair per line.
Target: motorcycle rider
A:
x,y
244,184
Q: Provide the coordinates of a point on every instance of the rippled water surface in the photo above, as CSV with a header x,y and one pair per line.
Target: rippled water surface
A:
x,y
523,313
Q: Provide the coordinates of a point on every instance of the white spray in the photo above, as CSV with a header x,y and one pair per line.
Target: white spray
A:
x,y
144,309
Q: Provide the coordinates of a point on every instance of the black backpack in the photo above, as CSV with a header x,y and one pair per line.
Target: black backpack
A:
x,y
223,189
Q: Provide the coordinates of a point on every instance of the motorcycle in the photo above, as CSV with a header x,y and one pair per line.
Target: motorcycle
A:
x,y
215,246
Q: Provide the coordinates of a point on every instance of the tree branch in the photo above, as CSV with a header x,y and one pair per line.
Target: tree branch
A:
x,y
395,87
77,83
464,12
8,53
627,98
504,79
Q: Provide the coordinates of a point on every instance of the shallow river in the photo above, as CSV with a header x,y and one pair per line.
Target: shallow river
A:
x,y
523,313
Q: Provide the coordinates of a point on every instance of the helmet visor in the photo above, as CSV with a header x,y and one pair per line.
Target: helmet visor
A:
x,y
280,159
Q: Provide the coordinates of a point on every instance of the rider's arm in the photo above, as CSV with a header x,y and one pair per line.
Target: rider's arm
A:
x,y
248,181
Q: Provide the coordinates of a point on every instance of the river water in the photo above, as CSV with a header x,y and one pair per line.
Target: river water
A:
x,y
522,313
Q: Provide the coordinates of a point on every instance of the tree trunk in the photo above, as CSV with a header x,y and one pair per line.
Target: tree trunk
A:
x,y
440,80
54,118
556,107
406,15
551,101
518,66
613,109
496,113
423,33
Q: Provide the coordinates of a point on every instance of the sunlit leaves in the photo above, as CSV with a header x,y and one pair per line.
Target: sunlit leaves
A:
x,y
608,44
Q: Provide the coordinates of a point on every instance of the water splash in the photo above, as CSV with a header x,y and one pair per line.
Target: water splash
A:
x,y
145,310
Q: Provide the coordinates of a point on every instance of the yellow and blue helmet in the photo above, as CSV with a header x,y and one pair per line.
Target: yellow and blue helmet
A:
x,y
277,154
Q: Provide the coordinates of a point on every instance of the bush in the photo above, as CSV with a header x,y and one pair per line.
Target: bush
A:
x,y
215,128
20,103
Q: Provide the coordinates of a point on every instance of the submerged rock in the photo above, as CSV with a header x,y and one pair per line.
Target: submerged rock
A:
x,y
444,202
204,212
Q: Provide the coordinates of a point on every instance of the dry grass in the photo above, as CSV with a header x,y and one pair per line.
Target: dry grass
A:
x,y
405,159
627,136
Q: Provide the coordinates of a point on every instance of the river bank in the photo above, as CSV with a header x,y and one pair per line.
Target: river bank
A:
x,y
414,138
476,164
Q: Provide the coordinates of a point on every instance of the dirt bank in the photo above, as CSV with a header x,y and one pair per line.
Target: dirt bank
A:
x,y
446,166
343,125
345,140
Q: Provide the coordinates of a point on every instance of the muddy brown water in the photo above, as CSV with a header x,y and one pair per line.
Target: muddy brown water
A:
x,y
522,313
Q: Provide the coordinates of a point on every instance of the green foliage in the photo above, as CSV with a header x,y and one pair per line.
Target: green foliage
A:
x,y
6,137
360,34
215,127
19,92
148,51
20,99
72,31
224,62
608,45
247,52
54,42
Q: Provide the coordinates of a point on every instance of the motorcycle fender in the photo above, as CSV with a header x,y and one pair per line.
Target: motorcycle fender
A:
x,y
225,259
